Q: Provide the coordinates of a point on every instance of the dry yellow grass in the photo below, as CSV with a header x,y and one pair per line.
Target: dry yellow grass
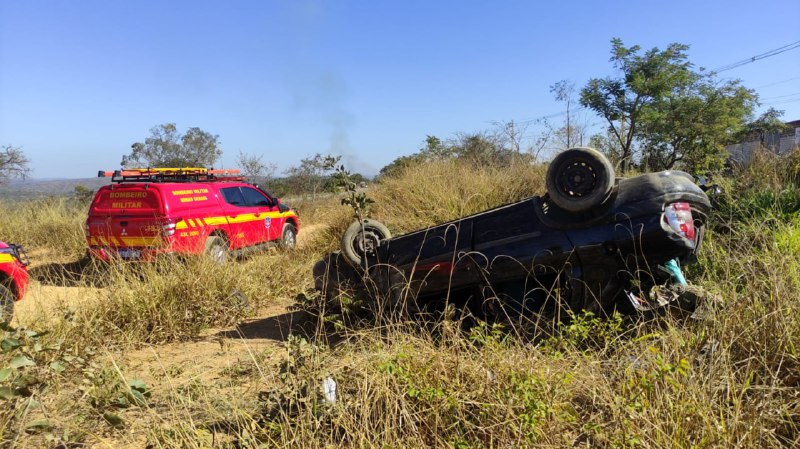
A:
x,y
728,380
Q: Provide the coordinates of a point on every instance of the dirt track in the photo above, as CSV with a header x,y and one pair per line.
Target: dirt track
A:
x,y
217,359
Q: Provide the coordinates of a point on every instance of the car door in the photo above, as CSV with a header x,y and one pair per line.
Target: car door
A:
x,y
265,225
239,215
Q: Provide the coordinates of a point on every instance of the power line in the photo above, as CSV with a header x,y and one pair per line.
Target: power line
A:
x,y
543,117
781,96
755,58
778,82
787,101
724,68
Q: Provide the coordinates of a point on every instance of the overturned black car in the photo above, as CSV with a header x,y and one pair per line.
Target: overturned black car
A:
x,y
592,243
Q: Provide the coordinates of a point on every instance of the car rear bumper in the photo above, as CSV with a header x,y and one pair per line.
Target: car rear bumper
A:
x,y
130,254
109,252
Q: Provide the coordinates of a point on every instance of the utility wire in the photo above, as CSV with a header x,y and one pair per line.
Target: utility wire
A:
x,y
726,67
787,101
543,117
778,82
781,96
755,58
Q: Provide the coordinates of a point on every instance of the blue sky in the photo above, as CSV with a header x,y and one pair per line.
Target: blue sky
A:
x,y
81,81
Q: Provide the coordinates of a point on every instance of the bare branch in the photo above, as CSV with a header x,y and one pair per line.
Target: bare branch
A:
x,y
13,163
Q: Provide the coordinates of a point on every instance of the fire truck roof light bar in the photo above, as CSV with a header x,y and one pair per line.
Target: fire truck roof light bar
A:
x,y
184,174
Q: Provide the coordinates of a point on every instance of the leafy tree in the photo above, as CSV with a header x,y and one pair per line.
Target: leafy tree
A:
x,y
13,163
661,110
485,148
434,149
401,164
477,147
643,79
693,126
767,123
166,147
312,174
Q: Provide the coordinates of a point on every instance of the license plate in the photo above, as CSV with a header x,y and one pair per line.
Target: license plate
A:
x,y
127,253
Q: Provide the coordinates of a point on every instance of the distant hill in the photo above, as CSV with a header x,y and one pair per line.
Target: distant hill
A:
x,y
25,188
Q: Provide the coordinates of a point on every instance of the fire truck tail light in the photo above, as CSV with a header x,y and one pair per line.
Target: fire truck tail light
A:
x,y
679,218
168,228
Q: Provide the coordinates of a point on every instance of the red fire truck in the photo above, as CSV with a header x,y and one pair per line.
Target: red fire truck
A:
x,y
151,211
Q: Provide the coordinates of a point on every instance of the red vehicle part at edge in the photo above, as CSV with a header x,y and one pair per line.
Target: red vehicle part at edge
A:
x,y
13,271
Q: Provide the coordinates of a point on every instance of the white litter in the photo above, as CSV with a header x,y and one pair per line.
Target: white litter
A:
x,y
329,390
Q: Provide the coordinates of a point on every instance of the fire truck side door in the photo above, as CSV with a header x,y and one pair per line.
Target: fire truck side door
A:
x,y
240,217
264,228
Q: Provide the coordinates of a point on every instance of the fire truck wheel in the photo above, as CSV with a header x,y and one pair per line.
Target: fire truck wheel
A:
x,y
288,237
6,304
217,249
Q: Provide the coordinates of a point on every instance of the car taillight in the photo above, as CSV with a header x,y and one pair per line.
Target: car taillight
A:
x,y
679,218
168,228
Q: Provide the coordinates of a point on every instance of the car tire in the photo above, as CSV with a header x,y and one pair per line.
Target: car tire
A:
x,y
217,249
361,239
288,236
579,179
7,300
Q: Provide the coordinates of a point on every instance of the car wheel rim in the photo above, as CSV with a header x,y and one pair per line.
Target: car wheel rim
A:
x,y
289,240
578,179
367,242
